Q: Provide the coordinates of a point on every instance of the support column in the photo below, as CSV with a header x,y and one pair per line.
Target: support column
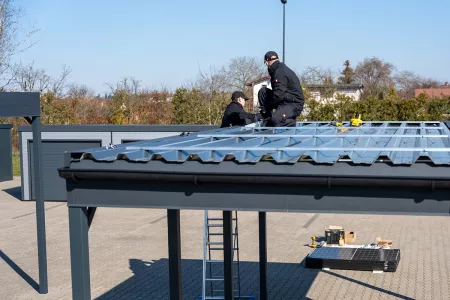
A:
x,y
228,255
40,208
173,226
79,253
262,256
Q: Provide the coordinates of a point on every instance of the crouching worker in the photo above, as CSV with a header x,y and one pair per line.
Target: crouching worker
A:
x,y
286,95
235,115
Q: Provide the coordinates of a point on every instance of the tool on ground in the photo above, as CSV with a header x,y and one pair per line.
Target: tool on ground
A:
x,y
333,234
384,243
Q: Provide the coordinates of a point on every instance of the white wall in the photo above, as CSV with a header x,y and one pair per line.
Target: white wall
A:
x,y
256,88
355,94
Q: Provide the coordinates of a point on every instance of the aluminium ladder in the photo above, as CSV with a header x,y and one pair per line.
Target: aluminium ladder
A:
x,y
213,263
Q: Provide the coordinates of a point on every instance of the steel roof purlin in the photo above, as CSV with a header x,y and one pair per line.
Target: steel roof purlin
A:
x,y
320,142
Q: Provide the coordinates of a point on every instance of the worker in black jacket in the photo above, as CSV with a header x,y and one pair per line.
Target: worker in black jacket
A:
x,y
235,115
286,95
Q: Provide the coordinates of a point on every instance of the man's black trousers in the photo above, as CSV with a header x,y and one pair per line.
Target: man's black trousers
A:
x,y
286,113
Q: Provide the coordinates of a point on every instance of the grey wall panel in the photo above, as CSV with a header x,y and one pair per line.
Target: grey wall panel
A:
x,y
52,159
115,134
6,172
25,137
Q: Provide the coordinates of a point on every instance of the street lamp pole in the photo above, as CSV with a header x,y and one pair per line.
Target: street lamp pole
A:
x,y
284,29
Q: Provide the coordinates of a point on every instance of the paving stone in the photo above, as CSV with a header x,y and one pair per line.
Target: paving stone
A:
x,y
128,254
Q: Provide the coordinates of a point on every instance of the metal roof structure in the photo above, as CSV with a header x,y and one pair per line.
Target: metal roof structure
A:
x,y
400,143
313,167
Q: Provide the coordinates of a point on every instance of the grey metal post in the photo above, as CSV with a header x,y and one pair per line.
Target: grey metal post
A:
x,y
40,209
79,253
173,226
262,256
228,255
284,29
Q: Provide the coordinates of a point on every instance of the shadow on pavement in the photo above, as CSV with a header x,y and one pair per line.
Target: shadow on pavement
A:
x,y
16,192
150,280
286,281
370,286
19,271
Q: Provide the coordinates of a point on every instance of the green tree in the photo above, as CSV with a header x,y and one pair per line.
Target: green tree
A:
x,y
347,74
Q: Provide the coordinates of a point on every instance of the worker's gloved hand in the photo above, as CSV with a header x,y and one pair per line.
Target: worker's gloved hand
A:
x,y
257,117
265,114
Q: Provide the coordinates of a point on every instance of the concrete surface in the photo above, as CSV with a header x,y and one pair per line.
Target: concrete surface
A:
x,y
128,254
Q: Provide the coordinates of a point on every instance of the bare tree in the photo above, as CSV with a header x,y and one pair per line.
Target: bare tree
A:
x,y
135,85
129,85
59,84
210,83
319,79
376,76
80,91
407,81
242,70
10,44
28,78
212,80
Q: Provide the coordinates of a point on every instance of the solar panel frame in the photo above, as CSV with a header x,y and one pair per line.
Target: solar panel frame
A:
x,y
399,143
354,259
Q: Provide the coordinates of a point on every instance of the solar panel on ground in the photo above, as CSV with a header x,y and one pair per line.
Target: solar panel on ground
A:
x,y
354,259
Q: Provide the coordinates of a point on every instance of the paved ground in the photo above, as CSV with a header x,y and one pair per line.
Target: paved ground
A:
x,y
128,254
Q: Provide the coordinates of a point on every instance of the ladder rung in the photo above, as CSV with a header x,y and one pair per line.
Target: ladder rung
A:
x,y
215,243
219,277
221,297
221,291
219,219
219,233
218,261
215,225
222,248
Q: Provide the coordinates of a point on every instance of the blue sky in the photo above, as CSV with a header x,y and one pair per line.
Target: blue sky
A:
x,y
163,43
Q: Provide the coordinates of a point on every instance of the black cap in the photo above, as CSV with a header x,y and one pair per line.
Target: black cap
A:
x,y
269,56
239,94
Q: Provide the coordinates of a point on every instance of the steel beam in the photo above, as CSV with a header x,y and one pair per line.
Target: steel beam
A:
x,y
262,256
174,238
40,208
79,253
228,255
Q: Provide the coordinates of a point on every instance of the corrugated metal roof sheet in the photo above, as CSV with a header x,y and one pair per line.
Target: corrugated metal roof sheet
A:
x,y
321,142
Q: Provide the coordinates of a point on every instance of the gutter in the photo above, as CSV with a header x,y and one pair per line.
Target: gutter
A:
x,y
92,176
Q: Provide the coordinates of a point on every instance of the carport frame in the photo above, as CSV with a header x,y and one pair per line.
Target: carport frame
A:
x,y
263,187
27,105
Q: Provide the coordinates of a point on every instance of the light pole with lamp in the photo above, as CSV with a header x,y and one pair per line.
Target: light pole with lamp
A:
x,y
284,29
